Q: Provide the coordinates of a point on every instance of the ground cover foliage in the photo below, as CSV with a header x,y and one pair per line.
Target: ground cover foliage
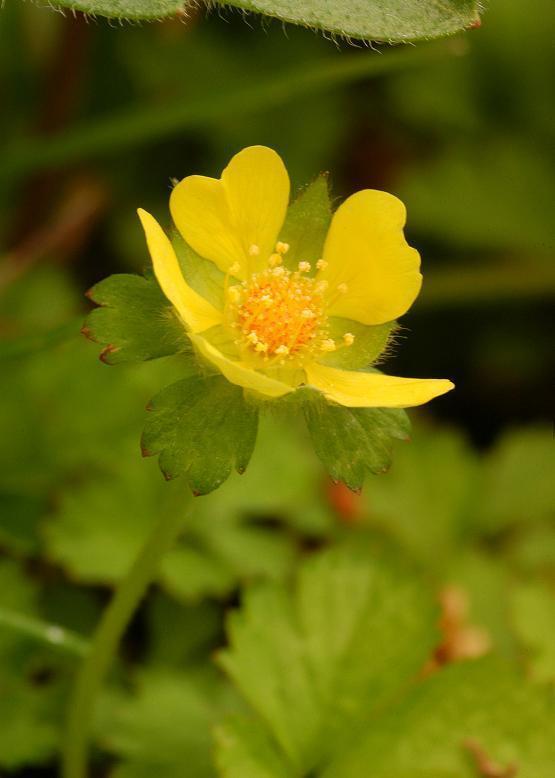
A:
x,y
314,631
297,628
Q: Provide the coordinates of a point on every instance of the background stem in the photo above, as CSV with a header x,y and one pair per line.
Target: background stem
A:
x,y
112,626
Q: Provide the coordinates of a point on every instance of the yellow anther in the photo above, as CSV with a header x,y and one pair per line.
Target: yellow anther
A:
x,y
282,350
282,248
328,345
307,313
261,347
234,294
278,271
321,264
342,288
254,250
252,337
304,267
275,259
321,286
348,338
234,269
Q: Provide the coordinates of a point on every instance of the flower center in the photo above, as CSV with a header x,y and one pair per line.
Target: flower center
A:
x,y
280,313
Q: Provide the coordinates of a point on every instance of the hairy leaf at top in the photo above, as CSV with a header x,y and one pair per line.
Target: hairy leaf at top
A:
x,y
128,9
382,20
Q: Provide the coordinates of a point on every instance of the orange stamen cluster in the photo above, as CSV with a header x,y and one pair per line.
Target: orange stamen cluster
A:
x,y
280,313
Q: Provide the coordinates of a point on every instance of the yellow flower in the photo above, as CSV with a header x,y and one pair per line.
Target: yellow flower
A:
x,y
271,334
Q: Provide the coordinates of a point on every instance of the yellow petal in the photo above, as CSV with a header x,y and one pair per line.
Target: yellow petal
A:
x,y
194,310
374,390
223,219
372,273
200,211
240,374
257,189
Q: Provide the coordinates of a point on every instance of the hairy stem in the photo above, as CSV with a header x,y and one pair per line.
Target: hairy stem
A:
x,y
104,644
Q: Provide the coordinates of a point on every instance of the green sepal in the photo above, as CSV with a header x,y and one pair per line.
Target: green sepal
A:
x,y
370,343
307,223
134,322
201,274
352,442
201,427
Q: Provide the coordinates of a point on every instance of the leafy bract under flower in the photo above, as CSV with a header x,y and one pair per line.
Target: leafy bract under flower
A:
x,y
274,325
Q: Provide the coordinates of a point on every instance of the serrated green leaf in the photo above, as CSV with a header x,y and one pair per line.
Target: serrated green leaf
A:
x,y
383,20
307,223
201,427
351,442
135,321
316,663
429,732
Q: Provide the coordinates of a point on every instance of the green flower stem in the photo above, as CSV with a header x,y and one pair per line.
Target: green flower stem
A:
x,y
104,645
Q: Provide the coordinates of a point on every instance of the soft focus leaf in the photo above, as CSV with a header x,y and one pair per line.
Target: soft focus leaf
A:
x,y
164,729
316,663
223,543
533,616
245,750
519,485
467,706
29,708
195,630
426,500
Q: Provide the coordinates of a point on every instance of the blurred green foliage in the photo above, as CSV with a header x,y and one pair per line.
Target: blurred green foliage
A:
x,y
344,613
